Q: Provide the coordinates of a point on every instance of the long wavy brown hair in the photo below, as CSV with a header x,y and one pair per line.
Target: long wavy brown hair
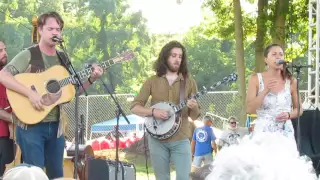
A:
x,y
161,64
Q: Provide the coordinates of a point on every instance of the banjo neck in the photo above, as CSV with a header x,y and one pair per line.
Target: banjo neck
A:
x,y
232,77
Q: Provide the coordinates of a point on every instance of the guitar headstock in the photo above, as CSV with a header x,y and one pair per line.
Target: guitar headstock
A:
x,y
35,35
230,78
126,56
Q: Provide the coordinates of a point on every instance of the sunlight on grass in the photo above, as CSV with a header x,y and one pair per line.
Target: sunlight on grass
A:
x,y
142,172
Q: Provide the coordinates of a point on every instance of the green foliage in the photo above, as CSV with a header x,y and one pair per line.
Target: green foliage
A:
x,y
221,26
94,31
208,57
97,30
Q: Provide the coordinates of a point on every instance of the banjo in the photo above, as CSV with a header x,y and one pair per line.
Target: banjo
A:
x,y
164,129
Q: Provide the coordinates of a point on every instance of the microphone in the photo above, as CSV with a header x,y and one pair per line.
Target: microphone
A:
x,y
292,65
281,61
56,39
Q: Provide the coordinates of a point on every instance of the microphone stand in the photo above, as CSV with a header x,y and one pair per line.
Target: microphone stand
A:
x,y
78,84
298,71
118,112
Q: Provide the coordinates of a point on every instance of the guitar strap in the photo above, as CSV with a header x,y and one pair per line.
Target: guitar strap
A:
x,y
182,89
63,60
37,61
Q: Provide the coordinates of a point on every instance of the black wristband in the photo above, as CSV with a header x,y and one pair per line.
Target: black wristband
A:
x,y
90,81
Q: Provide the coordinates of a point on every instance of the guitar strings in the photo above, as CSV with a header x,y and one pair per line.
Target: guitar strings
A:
x,y
87,71
232,77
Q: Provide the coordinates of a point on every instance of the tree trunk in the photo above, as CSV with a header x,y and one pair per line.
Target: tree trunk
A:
x,y
4,8
240,58
261,33
281,11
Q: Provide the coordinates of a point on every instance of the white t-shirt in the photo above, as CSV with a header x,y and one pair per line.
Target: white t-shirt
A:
x,y
232,136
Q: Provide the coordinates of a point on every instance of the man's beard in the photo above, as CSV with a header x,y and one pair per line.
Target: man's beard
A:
x,y
50,44
3,62
172,68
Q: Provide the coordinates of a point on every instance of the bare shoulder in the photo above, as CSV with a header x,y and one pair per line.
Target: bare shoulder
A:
x,y
293,80
293,83
253,79
253,86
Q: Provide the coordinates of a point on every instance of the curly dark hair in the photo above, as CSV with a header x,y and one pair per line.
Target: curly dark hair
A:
x,y
161,65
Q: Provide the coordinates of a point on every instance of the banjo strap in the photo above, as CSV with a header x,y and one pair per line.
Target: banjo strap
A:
x,y
182,87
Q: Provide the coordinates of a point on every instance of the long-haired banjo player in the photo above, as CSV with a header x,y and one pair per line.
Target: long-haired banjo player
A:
x,y
171,81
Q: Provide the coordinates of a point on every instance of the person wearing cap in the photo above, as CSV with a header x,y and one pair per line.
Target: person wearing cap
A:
x,y
233,134
25,172
203,143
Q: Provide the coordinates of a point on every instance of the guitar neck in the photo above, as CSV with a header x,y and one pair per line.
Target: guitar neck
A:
x,y
85,73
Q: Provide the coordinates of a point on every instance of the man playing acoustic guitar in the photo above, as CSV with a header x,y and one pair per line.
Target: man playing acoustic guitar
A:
x,y
42,144
171,69
6,144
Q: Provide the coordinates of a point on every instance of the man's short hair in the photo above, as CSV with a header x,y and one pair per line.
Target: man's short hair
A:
x,y
208,118
232,118
43,18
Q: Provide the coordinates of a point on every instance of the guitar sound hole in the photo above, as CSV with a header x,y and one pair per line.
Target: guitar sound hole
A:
x,y
53,86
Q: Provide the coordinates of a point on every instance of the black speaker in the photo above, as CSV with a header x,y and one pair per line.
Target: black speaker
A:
x,y
102,169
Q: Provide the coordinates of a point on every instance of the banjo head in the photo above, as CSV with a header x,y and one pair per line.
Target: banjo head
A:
x,y
158,126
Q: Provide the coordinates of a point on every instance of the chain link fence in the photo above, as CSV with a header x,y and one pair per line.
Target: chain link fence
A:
x,y
95,109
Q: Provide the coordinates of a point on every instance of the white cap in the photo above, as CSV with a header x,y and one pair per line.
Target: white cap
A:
x,y
25,172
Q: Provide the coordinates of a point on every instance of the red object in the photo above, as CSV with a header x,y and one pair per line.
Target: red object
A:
x,y
95,145
4,128
129,143
133,140
104,145
122,143
112,144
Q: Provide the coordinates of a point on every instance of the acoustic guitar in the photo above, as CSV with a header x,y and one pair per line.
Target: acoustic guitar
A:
x,y
55,85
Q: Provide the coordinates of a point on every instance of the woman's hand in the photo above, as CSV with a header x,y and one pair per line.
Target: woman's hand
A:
x,y
283,116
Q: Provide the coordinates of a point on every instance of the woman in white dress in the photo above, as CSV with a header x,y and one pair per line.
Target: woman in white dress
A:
x,y
272,95
271,153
